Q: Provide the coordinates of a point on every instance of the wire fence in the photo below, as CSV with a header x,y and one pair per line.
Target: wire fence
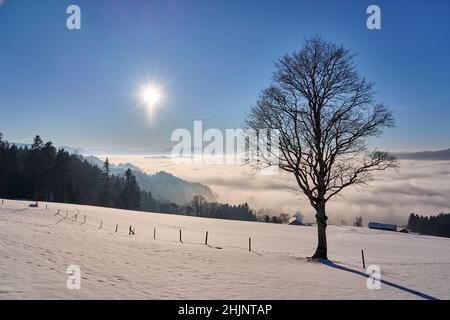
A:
x,y
80,219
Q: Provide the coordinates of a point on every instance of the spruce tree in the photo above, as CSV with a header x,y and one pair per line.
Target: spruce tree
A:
x,y
106,176
131,193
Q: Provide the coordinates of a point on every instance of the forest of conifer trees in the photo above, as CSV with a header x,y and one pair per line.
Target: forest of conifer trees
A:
x,y
40,172
433,225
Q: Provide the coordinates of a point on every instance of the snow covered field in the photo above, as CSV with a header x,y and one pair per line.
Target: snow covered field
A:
x,y
36,247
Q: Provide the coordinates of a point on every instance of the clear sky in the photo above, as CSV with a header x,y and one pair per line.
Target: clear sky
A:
x,y
78,87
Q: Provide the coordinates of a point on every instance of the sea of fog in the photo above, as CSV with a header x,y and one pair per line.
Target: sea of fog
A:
x,y
417,186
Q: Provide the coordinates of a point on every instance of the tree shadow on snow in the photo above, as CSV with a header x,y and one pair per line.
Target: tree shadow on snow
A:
x,y
213,247
365,275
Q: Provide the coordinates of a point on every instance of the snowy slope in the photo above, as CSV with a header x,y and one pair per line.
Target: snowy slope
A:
x,y
36,247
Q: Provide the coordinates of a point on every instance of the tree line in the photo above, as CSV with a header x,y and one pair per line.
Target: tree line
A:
x,y
433,225
200,207
43,173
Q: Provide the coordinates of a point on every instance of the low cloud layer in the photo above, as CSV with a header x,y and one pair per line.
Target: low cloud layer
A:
x,y
418,186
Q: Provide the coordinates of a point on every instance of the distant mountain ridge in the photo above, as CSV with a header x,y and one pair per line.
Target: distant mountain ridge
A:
x,y
163,185
425,155
109,151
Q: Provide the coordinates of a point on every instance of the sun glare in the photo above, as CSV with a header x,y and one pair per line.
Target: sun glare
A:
x,y
151,96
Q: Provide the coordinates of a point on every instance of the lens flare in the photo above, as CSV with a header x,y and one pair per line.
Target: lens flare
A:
x,y
151,97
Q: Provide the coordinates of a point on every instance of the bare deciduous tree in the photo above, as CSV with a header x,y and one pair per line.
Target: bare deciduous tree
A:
x,y
324,112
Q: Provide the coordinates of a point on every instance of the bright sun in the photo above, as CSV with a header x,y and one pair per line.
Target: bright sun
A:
x,y
151,96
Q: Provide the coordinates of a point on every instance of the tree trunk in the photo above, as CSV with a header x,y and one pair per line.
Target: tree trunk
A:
x,y
321,218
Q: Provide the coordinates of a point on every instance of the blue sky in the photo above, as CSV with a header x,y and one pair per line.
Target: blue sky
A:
x,y
213,57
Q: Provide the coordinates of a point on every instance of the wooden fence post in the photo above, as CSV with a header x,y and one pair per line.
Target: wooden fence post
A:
x,y
117,226
363,262
180,236
101,224
249,244
3,200
84,220
154,233
206,238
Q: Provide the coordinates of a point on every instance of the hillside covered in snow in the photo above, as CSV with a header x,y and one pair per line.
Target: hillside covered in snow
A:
x,y
37,246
